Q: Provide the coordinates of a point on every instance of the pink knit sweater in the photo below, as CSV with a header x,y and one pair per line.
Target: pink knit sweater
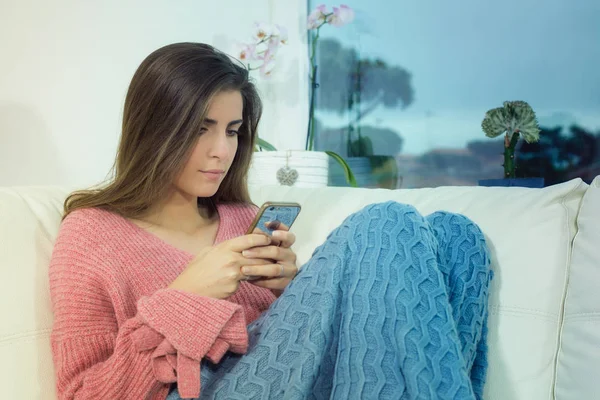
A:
x,y
118,332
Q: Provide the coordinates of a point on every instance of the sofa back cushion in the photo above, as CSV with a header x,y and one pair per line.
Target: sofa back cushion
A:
x,y
529,232
29,222
579,356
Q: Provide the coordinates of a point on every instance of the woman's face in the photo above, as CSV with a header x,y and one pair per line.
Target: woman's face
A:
x,y
215,149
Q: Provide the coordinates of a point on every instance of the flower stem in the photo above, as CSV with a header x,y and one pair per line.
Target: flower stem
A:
x,y
310,137
313,51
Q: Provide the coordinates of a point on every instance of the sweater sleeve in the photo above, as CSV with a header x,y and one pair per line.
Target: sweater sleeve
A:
x,y
96,357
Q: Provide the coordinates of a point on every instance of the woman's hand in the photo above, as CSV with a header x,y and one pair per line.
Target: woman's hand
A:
x,y
278,273
216,271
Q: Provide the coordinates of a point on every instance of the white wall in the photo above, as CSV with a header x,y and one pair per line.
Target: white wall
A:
x,y
66,65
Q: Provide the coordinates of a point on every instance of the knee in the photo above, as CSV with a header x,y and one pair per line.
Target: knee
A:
x,y
391,220
390,210
448,224
384,229
456,230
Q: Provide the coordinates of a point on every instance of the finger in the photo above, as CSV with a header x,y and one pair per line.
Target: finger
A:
x,y
242,262
277,225
275,242
245,242
286,239
257,230
254,261
267,271
270,283
270,252
262,271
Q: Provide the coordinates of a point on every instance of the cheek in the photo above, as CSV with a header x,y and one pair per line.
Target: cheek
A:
x,y
191,165
192,162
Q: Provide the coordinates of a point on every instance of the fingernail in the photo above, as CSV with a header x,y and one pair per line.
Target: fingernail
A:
x,y
278,235
246,271
248,253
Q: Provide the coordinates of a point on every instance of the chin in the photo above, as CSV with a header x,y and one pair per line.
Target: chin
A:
x,y
206,190
199,187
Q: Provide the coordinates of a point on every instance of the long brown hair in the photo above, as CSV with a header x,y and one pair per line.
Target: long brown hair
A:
x,y
166,104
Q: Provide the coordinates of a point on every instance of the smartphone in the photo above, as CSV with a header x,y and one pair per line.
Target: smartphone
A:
x,y
284,212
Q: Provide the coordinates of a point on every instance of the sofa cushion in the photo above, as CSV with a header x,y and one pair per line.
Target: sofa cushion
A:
x,y
29,221
529,232
579,356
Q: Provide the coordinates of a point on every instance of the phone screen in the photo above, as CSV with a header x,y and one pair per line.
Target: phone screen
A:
x,y
285,213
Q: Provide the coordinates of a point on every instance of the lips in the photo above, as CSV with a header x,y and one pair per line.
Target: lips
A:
x,y
213,174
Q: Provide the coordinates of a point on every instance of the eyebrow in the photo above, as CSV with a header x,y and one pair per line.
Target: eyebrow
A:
x,y
209,121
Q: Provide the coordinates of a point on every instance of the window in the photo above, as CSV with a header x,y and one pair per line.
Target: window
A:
x,y
403,89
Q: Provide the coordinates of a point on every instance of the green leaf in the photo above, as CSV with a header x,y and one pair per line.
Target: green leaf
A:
x,y
347,170
494,123
526,121
263,144
514,116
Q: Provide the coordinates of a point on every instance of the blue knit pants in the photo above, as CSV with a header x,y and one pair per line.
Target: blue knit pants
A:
x,y
392,306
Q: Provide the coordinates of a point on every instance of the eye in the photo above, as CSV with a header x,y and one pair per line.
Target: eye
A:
x,y
232,133
202,130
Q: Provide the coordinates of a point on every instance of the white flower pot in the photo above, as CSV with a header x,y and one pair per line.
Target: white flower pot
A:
x,y
312,167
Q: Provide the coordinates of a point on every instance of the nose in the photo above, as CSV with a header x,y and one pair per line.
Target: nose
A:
x,y
219,147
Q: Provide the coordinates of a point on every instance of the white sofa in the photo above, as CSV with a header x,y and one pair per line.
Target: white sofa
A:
x,y
544,309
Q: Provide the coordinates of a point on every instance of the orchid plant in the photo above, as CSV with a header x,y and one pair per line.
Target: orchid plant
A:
x,y
260,55
514,119
318,18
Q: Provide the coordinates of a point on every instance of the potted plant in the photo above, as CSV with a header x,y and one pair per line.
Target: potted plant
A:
x,y
515,119
370,170
374,83
354,85
307,168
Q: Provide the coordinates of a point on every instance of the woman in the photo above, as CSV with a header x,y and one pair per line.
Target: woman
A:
x,y
148,272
